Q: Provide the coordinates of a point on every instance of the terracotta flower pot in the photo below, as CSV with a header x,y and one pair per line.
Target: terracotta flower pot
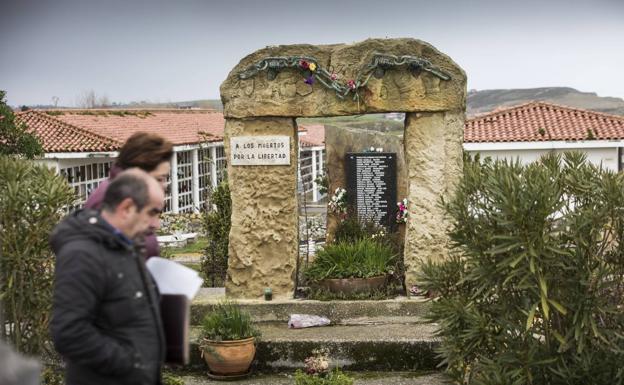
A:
x,y
352,285
229,357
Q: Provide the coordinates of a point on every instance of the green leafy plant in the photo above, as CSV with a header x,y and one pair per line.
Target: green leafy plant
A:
x,y
217,223
15,139
322,182
364,258
352,229
32,201
227,322
171,379
334,377
534,290
52,375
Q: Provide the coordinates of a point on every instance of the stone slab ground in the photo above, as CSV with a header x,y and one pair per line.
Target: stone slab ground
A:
x,y
383,346
360,379
386,335
337,311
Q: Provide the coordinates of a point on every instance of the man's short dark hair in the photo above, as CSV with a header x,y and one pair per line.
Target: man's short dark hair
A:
x,y
126,186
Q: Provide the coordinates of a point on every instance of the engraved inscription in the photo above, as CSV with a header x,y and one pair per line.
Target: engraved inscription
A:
x,y
371,186
260,150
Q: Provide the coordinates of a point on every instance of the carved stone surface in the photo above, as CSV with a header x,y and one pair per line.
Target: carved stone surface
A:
x,y
399,89
433,152
264,237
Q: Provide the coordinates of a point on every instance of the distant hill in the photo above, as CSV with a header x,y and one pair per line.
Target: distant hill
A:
x,y
487,100
478,102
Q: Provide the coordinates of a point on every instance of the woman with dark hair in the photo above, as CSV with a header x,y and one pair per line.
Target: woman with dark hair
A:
x,y
149,152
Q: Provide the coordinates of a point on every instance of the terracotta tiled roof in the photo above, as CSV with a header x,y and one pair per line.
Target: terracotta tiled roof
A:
x,y
178,126
107,130
57,136
315,135
540,121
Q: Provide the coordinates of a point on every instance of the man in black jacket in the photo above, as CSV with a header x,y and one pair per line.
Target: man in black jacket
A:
x,y
105,314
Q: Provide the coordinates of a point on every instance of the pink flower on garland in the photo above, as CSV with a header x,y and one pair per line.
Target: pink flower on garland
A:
x,y
304,64
351,84
334,76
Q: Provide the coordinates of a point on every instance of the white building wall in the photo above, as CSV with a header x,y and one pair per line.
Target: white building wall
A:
x,y
607,156
194,168
598,152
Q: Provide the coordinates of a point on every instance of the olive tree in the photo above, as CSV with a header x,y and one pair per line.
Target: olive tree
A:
x,y
32,200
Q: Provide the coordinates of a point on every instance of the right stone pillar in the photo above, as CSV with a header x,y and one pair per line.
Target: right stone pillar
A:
x,y
433,153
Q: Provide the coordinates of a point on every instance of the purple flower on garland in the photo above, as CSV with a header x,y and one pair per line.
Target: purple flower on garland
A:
x,y
309,80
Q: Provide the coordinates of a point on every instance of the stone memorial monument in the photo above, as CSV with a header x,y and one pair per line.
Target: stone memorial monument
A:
x,y
269,89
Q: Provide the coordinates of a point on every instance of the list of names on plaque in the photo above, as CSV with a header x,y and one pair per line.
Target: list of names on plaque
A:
x,y
371,186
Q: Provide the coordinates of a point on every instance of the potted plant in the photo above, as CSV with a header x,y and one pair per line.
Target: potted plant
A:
x,y
350,267
228,339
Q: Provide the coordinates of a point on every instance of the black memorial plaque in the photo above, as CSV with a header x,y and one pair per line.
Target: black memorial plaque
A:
x,y
371,186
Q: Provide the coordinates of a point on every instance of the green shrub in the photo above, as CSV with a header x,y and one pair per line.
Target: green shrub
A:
x,y
352,229
32,199
534,290
217,223
15,139
227,322
52,375
171,379
363,259
334,377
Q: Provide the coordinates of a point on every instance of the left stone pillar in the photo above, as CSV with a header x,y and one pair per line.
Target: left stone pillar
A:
x,y
264,236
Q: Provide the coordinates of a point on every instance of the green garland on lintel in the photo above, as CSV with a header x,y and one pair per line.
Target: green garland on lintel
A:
x,y
313,71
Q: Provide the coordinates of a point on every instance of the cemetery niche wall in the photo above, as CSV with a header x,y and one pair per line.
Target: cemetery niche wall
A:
x,y
269,89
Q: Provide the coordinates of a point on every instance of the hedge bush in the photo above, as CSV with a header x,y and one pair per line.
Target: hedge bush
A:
x,y
32,201
534,290
217,223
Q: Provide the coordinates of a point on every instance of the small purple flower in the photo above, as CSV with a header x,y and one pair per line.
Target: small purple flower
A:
x,y
309,80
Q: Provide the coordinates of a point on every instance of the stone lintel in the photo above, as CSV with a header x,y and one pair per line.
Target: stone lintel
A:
x,y
399,89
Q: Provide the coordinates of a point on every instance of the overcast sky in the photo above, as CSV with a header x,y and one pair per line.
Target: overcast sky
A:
x,y
178,50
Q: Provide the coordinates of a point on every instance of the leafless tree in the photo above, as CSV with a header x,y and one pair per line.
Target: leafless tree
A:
x,y
89,99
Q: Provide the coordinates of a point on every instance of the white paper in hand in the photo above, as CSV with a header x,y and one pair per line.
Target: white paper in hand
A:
x,y
174,278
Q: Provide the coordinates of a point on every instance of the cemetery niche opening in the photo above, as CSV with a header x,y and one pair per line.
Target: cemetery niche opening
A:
x,y
270,89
